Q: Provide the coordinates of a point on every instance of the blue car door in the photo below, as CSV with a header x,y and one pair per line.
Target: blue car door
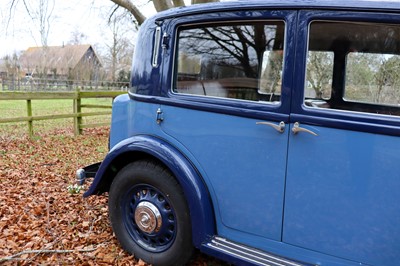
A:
x,y
227,111
343,173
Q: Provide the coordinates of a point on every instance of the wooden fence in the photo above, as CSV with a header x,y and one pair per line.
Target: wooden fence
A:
x,y
77,114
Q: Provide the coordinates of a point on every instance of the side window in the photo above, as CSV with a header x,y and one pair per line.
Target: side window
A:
x,y
373,78
354,66
233,60
319,75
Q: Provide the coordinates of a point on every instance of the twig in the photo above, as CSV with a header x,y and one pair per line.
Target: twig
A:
x,y
38,251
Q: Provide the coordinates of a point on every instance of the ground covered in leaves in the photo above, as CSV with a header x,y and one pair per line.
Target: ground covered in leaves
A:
x,y
43,221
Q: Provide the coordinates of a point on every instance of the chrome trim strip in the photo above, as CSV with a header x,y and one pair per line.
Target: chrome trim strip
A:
x,y
156,47
249,254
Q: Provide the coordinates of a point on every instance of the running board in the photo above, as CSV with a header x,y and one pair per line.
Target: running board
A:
x,y
248,254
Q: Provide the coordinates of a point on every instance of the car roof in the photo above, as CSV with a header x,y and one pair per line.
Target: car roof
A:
x,y
353,5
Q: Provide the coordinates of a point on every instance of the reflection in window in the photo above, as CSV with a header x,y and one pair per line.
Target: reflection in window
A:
x,y
240,61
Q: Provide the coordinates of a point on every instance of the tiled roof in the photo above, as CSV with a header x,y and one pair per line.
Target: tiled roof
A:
x,y
60,58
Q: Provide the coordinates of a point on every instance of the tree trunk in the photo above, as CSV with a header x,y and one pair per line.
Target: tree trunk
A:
x,y
127,4
161,5
178,3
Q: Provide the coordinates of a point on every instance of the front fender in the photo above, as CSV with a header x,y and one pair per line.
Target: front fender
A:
x,y
196,193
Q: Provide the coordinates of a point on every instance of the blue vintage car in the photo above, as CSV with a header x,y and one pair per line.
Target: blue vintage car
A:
x,y
262,133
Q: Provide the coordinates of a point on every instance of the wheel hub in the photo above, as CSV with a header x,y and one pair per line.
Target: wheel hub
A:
x,y
148,217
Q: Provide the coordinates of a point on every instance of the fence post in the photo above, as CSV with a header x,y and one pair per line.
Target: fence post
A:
x,y
77,111
30,122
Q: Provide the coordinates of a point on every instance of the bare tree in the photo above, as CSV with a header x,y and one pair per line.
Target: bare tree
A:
x,y
242,46
159,5
119,49
387,80
319,72
13,71
41,14
77,37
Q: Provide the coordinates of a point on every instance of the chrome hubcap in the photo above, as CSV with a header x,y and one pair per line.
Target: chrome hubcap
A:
x,y
148,217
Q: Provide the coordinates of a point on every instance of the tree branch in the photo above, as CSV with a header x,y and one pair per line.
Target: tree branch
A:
x,y
128,5
178,3
161,5
39,251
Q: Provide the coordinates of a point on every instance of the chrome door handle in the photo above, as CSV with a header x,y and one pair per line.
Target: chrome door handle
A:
x,y
296,129
280,127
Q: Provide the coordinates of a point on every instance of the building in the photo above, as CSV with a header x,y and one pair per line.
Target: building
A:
x,y
72,62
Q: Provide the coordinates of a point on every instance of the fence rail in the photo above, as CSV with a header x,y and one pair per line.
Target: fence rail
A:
x,y
56,85
77,114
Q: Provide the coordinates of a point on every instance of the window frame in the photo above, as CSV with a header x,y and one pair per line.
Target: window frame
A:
x,y
335,118
218,24
242,108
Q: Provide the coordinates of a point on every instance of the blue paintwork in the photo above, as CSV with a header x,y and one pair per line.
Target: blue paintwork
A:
x,y
122,106
327,200
244,109
130,118
341,189
342,195
232,140
144,78
194,189
223,145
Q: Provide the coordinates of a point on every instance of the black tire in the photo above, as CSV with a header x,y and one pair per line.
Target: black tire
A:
x,y
160,233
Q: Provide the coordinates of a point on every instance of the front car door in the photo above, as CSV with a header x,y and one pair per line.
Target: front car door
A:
x,y
227,109
342,190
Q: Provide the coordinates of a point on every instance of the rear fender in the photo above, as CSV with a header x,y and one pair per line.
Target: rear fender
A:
x,y
196,193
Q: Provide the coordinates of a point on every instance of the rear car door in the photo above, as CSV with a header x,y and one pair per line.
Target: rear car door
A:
x,y
227,110
343,174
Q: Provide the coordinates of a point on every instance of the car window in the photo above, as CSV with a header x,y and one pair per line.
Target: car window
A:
x,y
373,78
319,75
354,66
233,60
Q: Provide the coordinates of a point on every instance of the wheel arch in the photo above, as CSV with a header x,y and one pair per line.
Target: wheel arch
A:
x,y
152,148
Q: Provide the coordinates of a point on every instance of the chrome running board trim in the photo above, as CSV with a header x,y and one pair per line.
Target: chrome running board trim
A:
x,y
251,255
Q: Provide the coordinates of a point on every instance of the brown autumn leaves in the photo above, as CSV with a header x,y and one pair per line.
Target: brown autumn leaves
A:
x,y
42,222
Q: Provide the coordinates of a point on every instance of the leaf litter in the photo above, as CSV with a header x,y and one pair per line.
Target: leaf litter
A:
x,y
41,221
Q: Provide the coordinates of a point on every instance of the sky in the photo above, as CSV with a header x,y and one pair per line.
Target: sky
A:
x,y
19,32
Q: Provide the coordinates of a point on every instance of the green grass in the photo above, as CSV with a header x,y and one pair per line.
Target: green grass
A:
x,y
18,108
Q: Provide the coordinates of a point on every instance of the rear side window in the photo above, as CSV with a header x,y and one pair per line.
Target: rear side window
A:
x,y
354,66
235,60
373,78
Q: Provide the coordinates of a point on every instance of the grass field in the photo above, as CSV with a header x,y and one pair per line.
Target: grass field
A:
x,y
17,108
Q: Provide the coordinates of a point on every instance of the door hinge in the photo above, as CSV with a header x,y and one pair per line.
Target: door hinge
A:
x,y
160,117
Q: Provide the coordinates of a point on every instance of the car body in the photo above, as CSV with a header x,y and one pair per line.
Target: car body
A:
x,y
278,123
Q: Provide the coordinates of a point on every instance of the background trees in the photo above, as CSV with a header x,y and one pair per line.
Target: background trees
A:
x,y
159,5
118,30
370,77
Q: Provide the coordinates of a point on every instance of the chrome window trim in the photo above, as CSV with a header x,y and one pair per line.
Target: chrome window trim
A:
x,y
156,47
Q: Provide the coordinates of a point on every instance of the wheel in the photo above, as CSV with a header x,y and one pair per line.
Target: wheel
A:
x,y
149,214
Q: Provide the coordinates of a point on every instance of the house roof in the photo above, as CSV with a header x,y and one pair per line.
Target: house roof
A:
x,y
61,58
